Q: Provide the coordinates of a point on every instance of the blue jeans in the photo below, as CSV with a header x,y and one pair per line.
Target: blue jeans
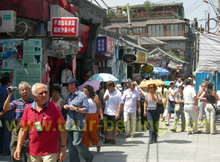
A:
x,y
153,124
75,147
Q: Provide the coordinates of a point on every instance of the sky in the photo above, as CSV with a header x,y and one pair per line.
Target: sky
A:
x,y
193,8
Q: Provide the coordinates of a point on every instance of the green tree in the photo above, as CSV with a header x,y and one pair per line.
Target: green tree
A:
x,y
148,6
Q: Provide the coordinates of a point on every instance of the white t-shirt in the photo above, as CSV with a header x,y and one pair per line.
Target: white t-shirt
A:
x,y
111,104
151,104
188,94
170,97
92,106
130,99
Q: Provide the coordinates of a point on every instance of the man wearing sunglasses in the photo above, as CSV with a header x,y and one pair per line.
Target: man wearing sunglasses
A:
x,y
131,99
44,121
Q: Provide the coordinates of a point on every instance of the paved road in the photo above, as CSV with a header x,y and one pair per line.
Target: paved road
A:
x,y
170,147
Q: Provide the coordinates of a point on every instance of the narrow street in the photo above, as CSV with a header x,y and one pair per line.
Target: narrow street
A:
x,y
170,147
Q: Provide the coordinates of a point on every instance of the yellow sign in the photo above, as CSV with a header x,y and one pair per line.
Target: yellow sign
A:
x,y
141,57
147,68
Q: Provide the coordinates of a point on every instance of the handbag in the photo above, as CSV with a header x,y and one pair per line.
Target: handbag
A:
x,y
177,108
217,111
160,108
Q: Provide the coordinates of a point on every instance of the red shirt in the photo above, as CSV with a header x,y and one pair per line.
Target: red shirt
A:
x,y
47,141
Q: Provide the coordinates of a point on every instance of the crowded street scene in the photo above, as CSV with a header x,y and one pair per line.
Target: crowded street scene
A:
x,y
109,81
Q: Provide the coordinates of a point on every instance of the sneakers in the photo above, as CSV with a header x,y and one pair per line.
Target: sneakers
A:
x,y
108,141
167,124
173,130
98,148
113,142
125,136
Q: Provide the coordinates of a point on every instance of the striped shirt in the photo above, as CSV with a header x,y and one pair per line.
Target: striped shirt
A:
x,y
18,107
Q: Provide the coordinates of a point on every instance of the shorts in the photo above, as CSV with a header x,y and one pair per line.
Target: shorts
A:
x,y
110,120
171,106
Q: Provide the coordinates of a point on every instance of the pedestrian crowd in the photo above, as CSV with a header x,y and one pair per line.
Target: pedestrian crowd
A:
x,y
40,128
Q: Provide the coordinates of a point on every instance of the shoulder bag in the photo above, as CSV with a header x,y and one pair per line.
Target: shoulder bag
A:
x,y
160,108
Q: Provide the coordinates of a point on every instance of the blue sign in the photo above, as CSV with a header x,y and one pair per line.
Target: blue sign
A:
x,y
101,45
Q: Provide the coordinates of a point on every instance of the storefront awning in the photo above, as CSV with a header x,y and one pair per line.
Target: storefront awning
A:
x,y
172,65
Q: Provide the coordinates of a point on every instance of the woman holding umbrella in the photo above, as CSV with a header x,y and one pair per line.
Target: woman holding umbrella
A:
x,y
150,106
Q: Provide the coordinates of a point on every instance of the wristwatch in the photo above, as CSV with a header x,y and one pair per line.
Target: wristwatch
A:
x,y
76,109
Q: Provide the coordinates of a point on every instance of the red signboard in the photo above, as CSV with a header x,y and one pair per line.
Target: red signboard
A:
x,y
65,26
110,43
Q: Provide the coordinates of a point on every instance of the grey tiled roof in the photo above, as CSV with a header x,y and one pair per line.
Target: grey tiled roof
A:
x,y
125,24
144,23
171,38
151,41
162,53
158,4
164,21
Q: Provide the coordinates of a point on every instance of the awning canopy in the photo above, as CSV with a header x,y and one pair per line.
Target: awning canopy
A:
x,y
209,57
172,65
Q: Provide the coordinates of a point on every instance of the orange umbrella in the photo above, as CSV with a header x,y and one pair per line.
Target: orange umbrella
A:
x,y
157,82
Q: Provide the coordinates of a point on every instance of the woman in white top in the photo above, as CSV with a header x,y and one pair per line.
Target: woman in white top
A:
x,y
55,96
150,110
92,119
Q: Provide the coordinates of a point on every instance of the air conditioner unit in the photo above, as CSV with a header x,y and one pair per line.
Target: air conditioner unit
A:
x,y
7,21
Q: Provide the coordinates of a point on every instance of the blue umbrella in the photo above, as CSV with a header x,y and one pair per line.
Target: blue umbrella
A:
x,y
161,71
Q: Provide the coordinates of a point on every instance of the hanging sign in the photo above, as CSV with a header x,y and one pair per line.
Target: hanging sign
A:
x,y
147,68
129,58
105,45
65,26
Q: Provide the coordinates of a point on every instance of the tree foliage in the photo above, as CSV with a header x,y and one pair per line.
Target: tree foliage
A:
x,y
148,6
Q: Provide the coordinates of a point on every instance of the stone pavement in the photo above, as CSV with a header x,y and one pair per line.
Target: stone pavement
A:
x,y
178,147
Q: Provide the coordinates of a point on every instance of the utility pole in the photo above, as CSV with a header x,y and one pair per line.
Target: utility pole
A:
x,y
218,10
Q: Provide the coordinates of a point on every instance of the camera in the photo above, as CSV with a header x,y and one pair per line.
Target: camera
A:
x,y
11,89
38,127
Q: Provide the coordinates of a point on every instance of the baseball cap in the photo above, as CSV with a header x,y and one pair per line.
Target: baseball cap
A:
x,y
71,80
206,80
129,80
119,86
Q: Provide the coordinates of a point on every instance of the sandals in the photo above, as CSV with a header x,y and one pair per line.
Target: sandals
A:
x,y
98,148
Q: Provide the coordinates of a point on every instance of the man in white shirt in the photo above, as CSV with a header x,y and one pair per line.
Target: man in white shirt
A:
x,y
131,99
179,83
66,74
113,107
190,107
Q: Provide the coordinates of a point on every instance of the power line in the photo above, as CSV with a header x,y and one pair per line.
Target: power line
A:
x,y
192,6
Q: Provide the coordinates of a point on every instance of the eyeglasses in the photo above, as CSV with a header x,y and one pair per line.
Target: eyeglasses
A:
x,y
134,85
41,93
151,87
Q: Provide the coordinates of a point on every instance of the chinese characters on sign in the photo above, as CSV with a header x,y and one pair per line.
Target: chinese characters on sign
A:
x,y
110,46
65,26
105,45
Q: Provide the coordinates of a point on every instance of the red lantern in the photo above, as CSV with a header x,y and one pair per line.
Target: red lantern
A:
x,y
63,3
71,9
14,1
177,71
